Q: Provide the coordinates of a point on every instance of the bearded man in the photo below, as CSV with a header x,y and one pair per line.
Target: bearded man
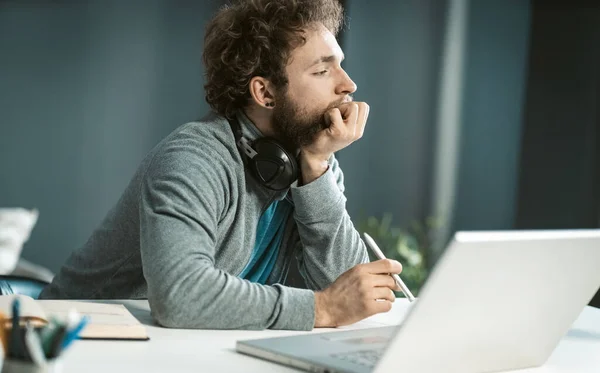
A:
x,y
209,224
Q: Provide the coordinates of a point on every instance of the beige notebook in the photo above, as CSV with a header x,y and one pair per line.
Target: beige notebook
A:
x,y
106,321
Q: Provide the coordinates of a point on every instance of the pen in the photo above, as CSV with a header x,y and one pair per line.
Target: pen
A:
x,y
379,254
57,341
48,334
73,333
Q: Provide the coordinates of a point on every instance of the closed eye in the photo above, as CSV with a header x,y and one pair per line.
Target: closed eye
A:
x,y
321,72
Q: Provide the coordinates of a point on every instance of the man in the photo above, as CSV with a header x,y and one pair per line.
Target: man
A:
x,y
207,237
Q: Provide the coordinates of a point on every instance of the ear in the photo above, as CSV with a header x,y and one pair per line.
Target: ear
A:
x,y
262,92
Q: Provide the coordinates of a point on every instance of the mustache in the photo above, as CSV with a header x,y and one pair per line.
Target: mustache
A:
x,y
341,101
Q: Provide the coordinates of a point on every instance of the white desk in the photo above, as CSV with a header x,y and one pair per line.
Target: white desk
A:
x,y
173,350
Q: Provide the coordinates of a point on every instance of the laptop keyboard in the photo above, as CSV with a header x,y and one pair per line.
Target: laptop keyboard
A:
x,y
367,358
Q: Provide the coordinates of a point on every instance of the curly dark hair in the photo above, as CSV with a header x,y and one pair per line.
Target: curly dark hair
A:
x,y
255,38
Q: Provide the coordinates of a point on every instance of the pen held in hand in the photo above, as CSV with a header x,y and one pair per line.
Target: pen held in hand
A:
x,y
379,254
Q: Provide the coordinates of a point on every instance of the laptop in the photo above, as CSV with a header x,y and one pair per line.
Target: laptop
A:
x,y
495,301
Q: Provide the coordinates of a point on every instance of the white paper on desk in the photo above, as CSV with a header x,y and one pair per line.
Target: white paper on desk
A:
x,y
15,227
394,317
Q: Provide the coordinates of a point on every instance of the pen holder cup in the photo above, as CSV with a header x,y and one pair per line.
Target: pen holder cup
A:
x,y
20,366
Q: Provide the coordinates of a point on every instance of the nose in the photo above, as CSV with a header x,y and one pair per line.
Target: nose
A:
x,y
346,85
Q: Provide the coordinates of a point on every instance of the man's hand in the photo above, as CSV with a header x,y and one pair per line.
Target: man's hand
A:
x,y
346,125
360,292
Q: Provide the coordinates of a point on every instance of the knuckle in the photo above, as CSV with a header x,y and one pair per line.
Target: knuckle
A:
x,y
363,289
389,265
391,283
394,266
357,270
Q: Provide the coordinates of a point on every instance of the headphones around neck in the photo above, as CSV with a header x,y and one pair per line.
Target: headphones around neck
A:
x,y
270,163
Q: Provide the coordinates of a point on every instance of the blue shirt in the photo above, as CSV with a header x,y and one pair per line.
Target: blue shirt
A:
x,y
269,233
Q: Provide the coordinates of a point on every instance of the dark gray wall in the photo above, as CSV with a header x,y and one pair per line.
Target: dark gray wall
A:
x,y
86,89
492,107
393,52
559,184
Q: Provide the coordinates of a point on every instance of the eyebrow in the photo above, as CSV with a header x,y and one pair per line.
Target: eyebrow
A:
x,y
325,59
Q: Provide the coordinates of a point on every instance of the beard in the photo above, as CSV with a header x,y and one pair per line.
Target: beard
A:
x,y
295,127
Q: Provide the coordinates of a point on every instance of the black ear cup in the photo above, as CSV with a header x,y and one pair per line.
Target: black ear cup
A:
x,y
273,165
269,162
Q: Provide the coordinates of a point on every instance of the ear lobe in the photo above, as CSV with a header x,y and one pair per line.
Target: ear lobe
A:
x,y
260,90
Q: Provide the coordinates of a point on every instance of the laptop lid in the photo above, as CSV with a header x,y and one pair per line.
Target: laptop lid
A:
x,y
497,301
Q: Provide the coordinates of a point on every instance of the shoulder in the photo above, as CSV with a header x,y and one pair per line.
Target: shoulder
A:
x,y
211,136
206,142
198,155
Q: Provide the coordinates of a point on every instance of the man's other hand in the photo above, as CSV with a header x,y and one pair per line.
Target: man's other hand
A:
x,y
360,292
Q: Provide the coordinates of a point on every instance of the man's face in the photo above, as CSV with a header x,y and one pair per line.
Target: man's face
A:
x,y
316,83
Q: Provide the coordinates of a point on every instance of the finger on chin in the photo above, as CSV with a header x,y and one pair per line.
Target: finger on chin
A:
x,y
332,116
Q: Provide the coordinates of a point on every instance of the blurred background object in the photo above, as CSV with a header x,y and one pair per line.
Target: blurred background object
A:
x,y
484,113
16,225
15,228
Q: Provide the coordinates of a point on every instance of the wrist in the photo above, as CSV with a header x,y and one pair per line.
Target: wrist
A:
x,y
312,167
323,317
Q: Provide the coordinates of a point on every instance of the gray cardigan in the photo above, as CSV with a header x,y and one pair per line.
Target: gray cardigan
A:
x,y
186,225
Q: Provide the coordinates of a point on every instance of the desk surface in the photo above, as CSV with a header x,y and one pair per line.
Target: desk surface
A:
x,y
180,350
